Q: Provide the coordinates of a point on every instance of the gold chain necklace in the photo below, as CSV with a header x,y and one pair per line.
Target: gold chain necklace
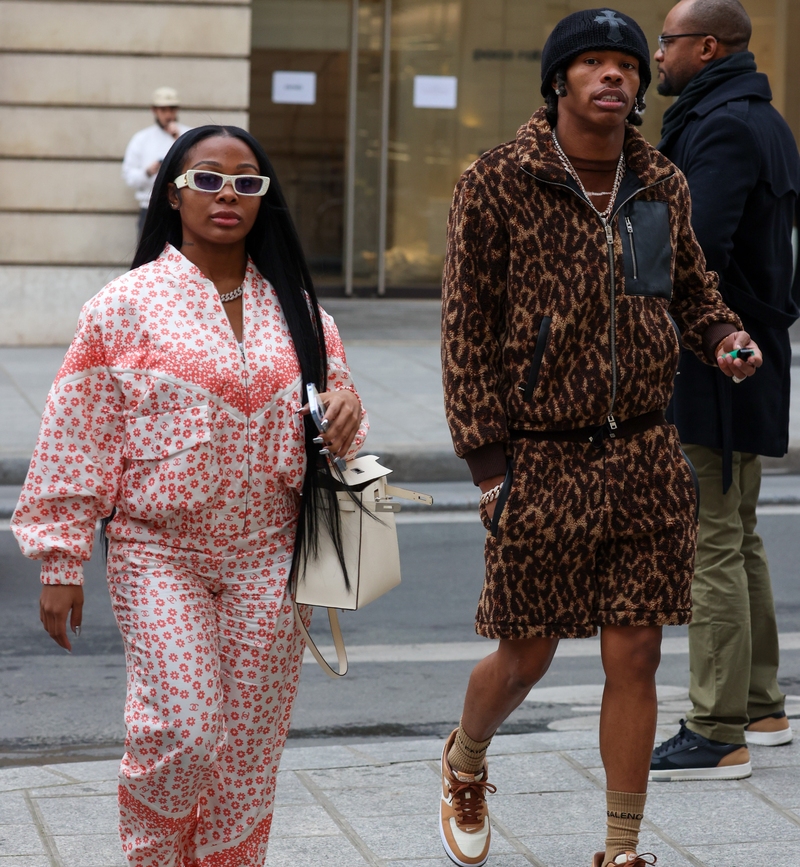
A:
x,y
574,174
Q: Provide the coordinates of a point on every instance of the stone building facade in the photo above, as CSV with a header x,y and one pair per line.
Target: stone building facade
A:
x,y
368,166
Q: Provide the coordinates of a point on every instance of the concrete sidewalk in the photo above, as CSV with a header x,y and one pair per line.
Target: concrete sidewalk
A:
x,y
376,804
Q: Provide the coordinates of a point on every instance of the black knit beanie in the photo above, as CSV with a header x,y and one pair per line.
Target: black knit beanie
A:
x,y
593,30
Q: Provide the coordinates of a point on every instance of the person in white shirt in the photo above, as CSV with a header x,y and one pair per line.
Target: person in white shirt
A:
x,y
149,146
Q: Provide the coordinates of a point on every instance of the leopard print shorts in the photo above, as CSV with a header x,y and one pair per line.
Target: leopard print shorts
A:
x,y
588,537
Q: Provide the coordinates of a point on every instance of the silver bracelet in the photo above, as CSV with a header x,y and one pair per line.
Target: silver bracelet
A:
x,y
490,496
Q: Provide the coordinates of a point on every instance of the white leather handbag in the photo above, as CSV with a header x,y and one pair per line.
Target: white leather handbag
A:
x,y
367,508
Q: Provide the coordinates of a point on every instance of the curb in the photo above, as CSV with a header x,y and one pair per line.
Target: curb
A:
x,y
423,464
13,470
788,465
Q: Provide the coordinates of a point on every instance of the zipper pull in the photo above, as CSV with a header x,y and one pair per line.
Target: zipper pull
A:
x,y
609,234
612,425
629,225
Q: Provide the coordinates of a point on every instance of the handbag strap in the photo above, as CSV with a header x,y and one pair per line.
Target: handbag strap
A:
x,y
338,642
405,494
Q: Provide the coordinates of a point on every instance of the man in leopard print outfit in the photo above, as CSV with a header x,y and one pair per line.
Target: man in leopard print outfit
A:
x,y
572,275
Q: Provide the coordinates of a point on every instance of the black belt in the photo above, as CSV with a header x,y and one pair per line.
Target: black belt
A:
x,y
611,429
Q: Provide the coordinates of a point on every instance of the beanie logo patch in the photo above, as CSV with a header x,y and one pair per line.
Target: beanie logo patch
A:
x,y
610,18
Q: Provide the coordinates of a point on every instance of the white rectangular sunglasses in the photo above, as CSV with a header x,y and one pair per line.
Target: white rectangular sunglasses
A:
x,y
212,182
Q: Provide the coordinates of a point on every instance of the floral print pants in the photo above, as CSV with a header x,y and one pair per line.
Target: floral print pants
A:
x,y
213,662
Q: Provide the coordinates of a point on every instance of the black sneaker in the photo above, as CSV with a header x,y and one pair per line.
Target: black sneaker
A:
x,y
689,756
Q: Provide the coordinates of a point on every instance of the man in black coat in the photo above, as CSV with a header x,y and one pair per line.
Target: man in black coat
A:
x,y
743,169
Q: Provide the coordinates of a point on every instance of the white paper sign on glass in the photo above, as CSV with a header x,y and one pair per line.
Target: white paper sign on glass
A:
x,y
294,88
435,91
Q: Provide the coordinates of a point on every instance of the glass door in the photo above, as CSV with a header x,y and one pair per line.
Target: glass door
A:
x,y
465,76
299,100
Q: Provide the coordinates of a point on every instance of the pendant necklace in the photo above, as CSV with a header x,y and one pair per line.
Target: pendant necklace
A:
x,y
604,215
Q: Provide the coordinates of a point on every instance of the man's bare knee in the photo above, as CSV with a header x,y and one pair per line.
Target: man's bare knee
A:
x,y
524,662
631,654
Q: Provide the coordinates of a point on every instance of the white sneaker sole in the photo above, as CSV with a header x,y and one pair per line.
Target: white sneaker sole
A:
x,y
451,855
732,772
769,739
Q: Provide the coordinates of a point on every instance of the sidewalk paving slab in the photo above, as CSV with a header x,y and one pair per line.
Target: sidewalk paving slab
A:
x,y
375,804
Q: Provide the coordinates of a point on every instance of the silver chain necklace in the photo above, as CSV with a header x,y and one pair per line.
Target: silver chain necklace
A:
x,y
232,296
574,174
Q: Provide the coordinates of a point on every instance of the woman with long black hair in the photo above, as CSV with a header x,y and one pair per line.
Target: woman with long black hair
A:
x,y
179,408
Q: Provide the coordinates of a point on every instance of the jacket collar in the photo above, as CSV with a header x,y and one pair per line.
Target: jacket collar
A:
x,y
176,264
536,155
751,85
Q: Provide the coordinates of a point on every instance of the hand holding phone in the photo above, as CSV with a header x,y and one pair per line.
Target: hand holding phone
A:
x,y
317,410
316,407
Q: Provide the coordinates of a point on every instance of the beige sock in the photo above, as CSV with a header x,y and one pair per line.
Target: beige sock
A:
x,y
624,812
467,755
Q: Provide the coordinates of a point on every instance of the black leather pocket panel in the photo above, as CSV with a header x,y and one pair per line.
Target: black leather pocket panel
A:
x,y
647,249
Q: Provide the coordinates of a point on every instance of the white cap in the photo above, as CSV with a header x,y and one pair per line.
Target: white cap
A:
x,y
165,97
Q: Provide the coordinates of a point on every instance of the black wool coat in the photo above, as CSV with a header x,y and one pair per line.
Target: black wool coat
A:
x,y
741,161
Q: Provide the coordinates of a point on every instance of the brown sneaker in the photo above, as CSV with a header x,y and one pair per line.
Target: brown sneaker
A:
x,y
769,731
629,859
463,815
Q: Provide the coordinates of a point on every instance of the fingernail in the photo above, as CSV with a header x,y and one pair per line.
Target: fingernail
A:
x,y
77,630
318,441
68,651
324,452
324,424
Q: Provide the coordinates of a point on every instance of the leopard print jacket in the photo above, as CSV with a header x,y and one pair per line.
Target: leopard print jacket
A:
x,y
553,321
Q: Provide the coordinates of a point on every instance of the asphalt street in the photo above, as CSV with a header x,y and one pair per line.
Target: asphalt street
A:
x,y
418,648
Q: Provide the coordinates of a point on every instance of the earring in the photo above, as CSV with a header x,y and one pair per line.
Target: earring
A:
x,y
561,90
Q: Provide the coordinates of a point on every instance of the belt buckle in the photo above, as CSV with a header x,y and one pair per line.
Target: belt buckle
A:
x,y
598,437
607,429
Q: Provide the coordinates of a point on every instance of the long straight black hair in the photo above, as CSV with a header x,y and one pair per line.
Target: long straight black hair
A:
x,y
275,249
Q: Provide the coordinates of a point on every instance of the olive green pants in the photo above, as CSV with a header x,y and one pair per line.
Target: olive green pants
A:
x,y
733,636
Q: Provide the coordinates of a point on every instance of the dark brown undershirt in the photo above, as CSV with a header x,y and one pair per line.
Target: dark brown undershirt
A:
x,y
597,176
